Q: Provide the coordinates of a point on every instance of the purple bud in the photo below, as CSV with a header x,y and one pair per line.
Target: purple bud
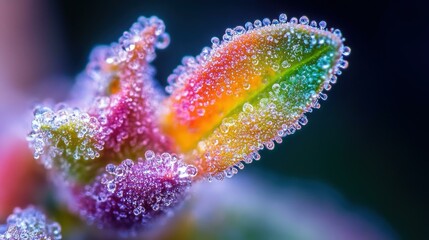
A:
x,y
129,197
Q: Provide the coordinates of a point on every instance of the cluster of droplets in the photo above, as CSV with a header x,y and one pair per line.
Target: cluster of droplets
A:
x,y
129,122
127,61
141,40
119,101
288,64
264,122
126,96
189,64
130,38
132,195
278,61
254,86
30,224
65,135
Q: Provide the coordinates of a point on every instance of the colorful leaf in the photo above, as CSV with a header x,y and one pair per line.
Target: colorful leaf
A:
x,y
125,97
127,154
116,121
132,196
249,90
67,139
117,116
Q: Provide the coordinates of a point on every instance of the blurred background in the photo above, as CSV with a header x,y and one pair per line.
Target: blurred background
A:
x,y
368,141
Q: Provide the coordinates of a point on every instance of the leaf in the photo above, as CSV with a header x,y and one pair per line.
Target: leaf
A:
x,y
109,175
117,100
66,139
133,195
249,90
124,96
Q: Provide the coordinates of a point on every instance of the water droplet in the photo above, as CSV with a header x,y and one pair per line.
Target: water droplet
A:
x,y
128,163
276,87
337,32
303,20
149,154
224,128
136,211
257,23
227,37
191,170
256,156
270,145
275,66
165,157
111,186
162,41
263,102
119,171
303,120
229,172
215,41
239,30
248,26
323,96
343,64
266,22
322,25
246,86
285,64
346,51
283,18
247,108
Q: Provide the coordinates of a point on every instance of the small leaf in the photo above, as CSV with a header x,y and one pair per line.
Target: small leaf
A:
x,y
249,90
124,96
66,139
131,196
116,121
117,100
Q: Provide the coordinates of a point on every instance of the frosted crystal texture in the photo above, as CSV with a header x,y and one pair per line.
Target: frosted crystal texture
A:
x,y
114,119
30,224
131,196
250,89
126,96
116,103
65,137
112,142
121,90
